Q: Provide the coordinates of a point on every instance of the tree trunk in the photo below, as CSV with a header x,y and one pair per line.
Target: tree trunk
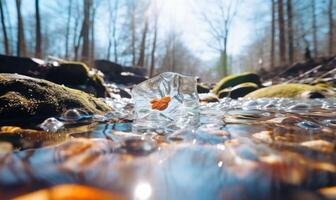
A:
x,y
282,38
133,38
331,28
21,44
314,28
76,37
4,30
141,60
86,30
38,35
152,63
67,31
273,33
114,32
290,32
92,49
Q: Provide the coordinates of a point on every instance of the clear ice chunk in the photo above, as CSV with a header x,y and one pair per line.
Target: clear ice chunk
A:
x,y
167,101
51,125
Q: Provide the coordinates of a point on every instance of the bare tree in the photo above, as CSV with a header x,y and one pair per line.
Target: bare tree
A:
x,y
282,38
112,30
331,27
141,60
85,33
21,44
273,33
133,31
4,29
76,36
290,31
38,35
92,33
67,31
219,23
154,41
314,28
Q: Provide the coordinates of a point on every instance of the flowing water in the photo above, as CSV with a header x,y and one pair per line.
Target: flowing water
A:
x,y
238,149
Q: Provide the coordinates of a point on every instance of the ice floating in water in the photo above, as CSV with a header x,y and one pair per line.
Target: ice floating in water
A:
x,y
51,125
167,101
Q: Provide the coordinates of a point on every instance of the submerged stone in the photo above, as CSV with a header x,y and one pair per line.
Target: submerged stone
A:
x,y
291,90
25,99
233,80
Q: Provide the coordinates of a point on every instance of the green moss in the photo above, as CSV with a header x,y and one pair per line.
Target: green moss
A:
x,y
233,80
23,98
289,91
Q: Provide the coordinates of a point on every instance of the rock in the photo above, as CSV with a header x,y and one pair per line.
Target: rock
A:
x,y
201,88
26,99
131,79
69,73
233,80
21,65
120,74
208,97
77,75
238,91
72,74
292,90
111,70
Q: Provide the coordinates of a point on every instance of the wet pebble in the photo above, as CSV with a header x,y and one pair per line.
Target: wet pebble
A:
x,y
51,125
299,107
319,145
74,115
5,147
138,146
308,125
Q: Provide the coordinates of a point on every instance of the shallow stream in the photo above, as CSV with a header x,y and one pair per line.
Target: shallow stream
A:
x,y
238,149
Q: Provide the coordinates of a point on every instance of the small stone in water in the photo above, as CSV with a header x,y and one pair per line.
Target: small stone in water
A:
x,y
138,146
74,115
308,125
5,147
51,125
319,145
299,106
330,122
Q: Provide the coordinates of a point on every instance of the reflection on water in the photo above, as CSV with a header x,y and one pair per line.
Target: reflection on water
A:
x,y
241,149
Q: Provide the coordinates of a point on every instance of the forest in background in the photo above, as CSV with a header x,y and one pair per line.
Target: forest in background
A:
x,y
286,31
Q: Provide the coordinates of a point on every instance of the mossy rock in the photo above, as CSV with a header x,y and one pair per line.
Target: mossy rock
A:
x,y
69,73
292,90
77,75
233,80
23,99
238,91
201,88
322,83
21,65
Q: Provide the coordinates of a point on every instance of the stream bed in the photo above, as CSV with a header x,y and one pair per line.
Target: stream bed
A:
x,y
238,149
